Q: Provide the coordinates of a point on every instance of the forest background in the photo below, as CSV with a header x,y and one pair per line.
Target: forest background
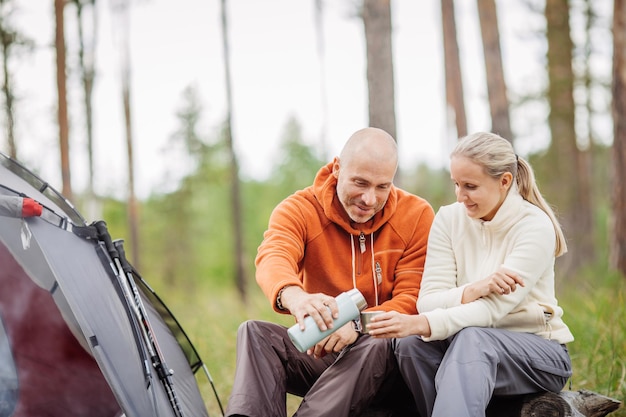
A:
x,y
193,232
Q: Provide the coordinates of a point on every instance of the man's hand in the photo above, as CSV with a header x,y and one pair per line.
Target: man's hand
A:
x,y
335,342
321,307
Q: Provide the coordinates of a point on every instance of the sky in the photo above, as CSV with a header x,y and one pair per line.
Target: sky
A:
x,y
276,74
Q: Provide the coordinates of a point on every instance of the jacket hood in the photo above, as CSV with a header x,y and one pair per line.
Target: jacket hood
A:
x,y
325,191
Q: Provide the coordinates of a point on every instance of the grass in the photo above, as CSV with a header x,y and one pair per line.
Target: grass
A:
x,y
596,313
594,310
211,318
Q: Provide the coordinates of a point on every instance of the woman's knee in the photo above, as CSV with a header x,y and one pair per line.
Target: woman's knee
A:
x,y
410,346
469,335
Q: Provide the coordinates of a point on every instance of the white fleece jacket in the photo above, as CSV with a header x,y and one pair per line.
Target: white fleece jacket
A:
x,y
462,250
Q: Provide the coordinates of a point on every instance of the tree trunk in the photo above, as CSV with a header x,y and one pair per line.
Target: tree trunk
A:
x,y
86,57
11,41
133,216
121,10
7,38
321,55
380,80
62,100
562,159
240,275
585,215
454,82
496,86
618,247
8,94
564,404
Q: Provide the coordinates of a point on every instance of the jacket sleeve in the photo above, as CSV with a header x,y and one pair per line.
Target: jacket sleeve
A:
x,y
409,270
281,252
439,287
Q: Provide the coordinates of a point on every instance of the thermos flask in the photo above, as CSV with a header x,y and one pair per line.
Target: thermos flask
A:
x,y
350,304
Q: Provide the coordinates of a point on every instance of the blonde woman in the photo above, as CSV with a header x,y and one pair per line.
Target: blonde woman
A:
x,y
489,322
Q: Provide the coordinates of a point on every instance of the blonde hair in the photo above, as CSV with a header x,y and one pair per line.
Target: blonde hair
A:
x,y
497,156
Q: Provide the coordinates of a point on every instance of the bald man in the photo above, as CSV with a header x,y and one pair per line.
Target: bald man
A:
x,y
352,228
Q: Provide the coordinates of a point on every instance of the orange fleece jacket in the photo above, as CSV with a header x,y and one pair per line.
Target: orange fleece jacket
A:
x,y
311,243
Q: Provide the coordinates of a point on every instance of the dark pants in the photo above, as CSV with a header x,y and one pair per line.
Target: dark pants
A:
x,y
458,376
343,384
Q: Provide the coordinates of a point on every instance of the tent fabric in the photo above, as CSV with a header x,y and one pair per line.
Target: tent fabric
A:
x,y
11,206
79,277
52,365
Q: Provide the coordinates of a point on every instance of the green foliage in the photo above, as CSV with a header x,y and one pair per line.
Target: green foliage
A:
x,y
259,199
433,185
186,233
115,214
600,175
296,163
595,310
210,317
177,235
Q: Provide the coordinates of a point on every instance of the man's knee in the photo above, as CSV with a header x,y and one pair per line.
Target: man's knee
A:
x,y
256,328
373,345
256,334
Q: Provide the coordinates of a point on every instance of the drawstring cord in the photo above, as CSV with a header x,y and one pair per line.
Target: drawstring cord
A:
x,y
373,265
353,262
374,268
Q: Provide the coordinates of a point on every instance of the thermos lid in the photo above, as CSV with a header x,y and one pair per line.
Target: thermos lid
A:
x,y
357,298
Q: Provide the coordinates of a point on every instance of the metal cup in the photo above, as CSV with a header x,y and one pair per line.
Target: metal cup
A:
x,y
366,317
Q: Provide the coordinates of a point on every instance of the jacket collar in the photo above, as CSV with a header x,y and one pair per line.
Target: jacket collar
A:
x,y
508,213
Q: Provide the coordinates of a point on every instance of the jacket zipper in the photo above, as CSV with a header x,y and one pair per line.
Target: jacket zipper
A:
x,y
360,254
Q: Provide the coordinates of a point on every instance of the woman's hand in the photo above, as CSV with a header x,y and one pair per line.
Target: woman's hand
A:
x,y
501,282
394,324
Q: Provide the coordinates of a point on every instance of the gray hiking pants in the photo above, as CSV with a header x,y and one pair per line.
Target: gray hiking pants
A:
x,y
457,376
337,385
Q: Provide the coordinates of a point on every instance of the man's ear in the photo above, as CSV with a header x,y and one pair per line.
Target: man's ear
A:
x,y
336,167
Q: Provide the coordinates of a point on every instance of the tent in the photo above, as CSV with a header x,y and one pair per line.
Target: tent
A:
x,y
81,332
